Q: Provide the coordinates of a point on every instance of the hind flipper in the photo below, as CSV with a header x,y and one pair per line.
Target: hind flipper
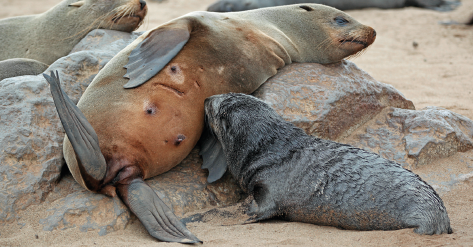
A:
x,y
82,136
155,215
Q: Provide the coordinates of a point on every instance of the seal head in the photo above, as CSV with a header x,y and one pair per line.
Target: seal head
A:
x,y
50,35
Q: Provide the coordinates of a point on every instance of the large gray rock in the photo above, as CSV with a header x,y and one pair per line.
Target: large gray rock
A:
x,y
343,103
31,134
415,138
329,101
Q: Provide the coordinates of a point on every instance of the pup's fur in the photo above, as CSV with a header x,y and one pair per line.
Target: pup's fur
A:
x,y
307,179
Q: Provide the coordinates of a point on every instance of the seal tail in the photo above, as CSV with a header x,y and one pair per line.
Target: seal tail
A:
x,y
82,136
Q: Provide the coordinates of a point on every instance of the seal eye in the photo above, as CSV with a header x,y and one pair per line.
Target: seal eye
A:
x,y
306,7
341,21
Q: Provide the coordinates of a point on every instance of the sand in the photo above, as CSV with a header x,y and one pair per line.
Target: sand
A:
x,y
436,72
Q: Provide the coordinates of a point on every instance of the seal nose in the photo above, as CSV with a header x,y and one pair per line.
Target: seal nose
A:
x,y
142,4
374,33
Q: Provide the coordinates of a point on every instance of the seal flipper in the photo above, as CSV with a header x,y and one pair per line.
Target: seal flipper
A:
x,y
262,207
155,215
213,156
156,51
82,136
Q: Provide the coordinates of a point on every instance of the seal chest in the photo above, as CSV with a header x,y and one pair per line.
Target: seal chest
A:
x,y
307,179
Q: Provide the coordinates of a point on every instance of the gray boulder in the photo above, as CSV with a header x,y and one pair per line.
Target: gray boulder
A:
x,y
31,134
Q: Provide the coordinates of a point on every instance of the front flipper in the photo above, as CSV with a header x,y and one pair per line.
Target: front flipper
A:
x,y
82,136
157,218
213,156
156,51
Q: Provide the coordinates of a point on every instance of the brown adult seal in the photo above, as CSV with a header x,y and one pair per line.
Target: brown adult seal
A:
x,y
48,36
303,178
149,123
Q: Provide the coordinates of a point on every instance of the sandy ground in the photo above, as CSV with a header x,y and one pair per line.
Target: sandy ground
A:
x,y
438,72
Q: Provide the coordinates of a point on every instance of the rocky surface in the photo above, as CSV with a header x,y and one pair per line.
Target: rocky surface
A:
x,y
338,102
415,138
30,131
329,101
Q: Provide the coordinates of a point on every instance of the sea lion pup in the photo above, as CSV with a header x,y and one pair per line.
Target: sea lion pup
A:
x,y
240,5
51,35
307,179
21,66
149,123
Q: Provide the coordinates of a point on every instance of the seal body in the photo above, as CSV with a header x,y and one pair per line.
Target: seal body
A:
x,y
48,36
156,125
144,111
307,179
21,66
240,5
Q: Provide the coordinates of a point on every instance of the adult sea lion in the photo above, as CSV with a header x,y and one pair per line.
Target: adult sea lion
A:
x,y
307,179
48,36
240,5
147,124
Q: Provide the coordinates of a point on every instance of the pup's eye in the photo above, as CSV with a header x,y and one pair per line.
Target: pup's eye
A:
x,y
341,21
306,7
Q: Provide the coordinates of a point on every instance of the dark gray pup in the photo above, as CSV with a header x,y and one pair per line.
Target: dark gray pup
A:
x,y
240,5
303,178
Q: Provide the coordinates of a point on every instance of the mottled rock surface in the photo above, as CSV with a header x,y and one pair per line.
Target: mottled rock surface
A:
x,y
328,101
31,134
343,103
415,137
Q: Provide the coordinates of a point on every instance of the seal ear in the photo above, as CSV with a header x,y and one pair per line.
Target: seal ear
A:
x,y
213,156
156,51
77,4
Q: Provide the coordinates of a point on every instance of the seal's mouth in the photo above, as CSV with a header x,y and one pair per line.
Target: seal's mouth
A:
x,y
118,18
353,40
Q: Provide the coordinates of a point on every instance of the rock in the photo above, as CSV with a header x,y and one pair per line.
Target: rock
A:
x,y
31,134
31,143
328,101
340,102
415,138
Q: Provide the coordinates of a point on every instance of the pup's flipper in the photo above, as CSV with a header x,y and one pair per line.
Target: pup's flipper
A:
x,y
155,215
82,136
213,156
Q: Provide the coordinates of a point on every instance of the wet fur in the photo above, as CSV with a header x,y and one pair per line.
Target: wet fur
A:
x,y
302,178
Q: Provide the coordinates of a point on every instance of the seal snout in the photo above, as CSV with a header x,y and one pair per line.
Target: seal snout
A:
x,y
142,4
